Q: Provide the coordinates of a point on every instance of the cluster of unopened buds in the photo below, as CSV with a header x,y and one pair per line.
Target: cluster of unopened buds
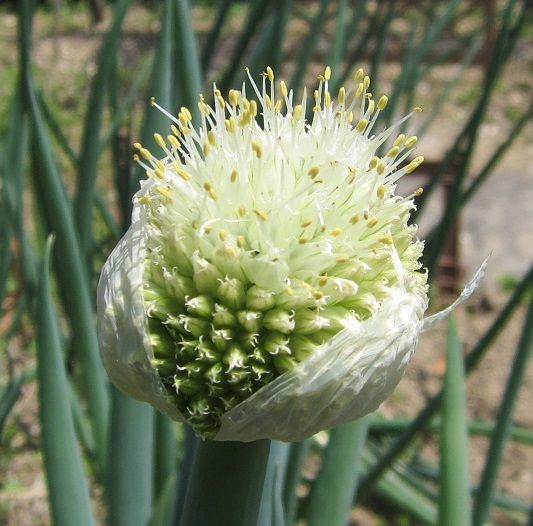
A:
x,y
270,284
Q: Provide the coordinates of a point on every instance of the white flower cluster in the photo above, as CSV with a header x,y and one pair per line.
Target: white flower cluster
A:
x,y
270,284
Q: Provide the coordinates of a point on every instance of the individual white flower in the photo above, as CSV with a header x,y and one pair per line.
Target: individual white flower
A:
x,y
270,284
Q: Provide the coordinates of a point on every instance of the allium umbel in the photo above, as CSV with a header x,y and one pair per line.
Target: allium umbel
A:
x,y
269,285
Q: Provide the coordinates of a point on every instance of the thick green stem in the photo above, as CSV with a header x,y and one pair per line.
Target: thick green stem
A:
x,y
226,484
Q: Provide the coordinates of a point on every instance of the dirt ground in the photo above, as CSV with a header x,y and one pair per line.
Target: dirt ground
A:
x,y
498,220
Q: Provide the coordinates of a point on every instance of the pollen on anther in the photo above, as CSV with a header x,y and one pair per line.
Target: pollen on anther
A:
x,y
313,171
336,232
233,176
257,149
262,215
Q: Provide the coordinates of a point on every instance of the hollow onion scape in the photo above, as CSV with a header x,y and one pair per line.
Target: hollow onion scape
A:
x,y
269,285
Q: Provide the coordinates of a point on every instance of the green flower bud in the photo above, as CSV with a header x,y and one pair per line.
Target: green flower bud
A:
x,y
279,320
206,276
200,306
223,317
259,299
250,321
276,343
235,357
231,293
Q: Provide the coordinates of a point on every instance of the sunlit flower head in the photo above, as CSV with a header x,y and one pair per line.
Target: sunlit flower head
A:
x,y
270,284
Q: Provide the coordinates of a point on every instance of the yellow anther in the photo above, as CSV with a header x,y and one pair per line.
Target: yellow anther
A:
x,y
233,176
342,259
359,90
354,219
223,235
366,82
208,229
327,73
160,174
206,148
231,124
194,224
341,97
323,280
318,295
146,153
350,117
313,172
297,112
283,88
393,152
181,172
175,130
418,192
303,240
327,99
152,101
361,125
268,102
306,223
358,75
365,215
316,95
270,73
211,137
411,141
213,195
336,232
164,191
277,106
418,109
386,239
137,145
382,103
253,108
373,221
208,187
257,149
381,191
414,164
160,164
221,101
136,158
173,141
228,251
241,211
381,167
186,112
371,107
399,140
260,214
241,242
373,162
144,200
233,97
